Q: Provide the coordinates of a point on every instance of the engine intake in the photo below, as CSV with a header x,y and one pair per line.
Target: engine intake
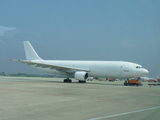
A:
x,y
81,75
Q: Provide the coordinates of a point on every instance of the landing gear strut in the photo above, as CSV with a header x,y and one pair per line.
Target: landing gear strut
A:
x,y
125,83
67,80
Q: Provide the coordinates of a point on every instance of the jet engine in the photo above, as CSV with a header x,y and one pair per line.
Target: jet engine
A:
x,y
81,75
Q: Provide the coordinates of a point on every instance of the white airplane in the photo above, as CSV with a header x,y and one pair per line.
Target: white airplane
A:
x,y
81,70
146,79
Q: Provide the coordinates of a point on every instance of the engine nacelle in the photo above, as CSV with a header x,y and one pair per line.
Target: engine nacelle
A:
x,y
81,75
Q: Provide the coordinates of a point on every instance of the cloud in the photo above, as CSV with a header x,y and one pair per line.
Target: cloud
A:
x,y
3,29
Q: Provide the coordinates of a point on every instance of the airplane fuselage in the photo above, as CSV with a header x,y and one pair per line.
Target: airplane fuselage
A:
x,y
103,69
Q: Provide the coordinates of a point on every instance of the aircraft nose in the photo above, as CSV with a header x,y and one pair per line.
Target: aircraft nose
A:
x,y
145,71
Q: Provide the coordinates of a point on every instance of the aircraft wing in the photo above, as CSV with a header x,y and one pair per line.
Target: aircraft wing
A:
x,y
51,66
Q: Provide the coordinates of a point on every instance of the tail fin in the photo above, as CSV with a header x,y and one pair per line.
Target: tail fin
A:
x,y
30,52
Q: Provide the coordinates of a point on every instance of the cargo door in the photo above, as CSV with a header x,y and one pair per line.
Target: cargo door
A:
x,y
114,71
126,67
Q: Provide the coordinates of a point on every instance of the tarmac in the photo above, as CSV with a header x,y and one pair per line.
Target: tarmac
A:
x,y
33,98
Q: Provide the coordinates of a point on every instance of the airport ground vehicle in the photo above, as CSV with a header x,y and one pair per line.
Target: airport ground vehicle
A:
x,y
111,80
158,79
132,82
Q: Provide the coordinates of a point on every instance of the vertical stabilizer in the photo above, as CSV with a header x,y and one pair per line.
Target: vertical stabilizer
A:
x,y
30,52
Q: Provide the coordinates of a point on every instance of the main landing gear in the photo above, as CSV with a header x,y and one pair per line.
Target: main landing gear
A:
x,y
81,81
67,80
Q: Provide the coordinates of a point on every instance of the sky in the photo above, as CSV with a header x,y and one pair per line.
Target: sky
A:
x,y
125,30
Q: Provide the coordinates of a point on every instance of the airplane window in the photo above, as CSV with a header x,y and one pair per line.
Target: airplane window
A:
x,y
138,67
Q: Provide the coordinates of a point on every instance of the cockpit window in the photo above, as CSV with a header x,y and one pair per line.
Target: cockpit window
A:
x,y
138,67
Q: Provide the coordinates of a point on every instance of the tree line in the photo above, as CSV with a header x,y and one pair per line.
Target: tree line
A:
x,y
28,75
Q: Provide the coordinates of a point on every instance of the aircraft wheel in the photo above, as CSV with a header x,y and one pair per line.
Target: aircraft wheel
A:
x,y
67,80
80,81
64,80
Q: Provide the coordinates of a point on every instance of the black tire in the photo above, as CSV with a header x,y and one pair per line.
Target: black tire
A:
x,y
80,81
67,80
64,80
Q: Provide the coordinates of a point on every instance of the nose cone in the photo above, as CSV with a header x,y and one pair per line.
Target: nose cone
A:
x,y
145,71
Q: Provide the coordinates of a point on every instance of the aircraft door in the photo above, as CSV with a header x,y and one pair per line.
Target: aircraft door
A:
x,y
125,67
115,70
